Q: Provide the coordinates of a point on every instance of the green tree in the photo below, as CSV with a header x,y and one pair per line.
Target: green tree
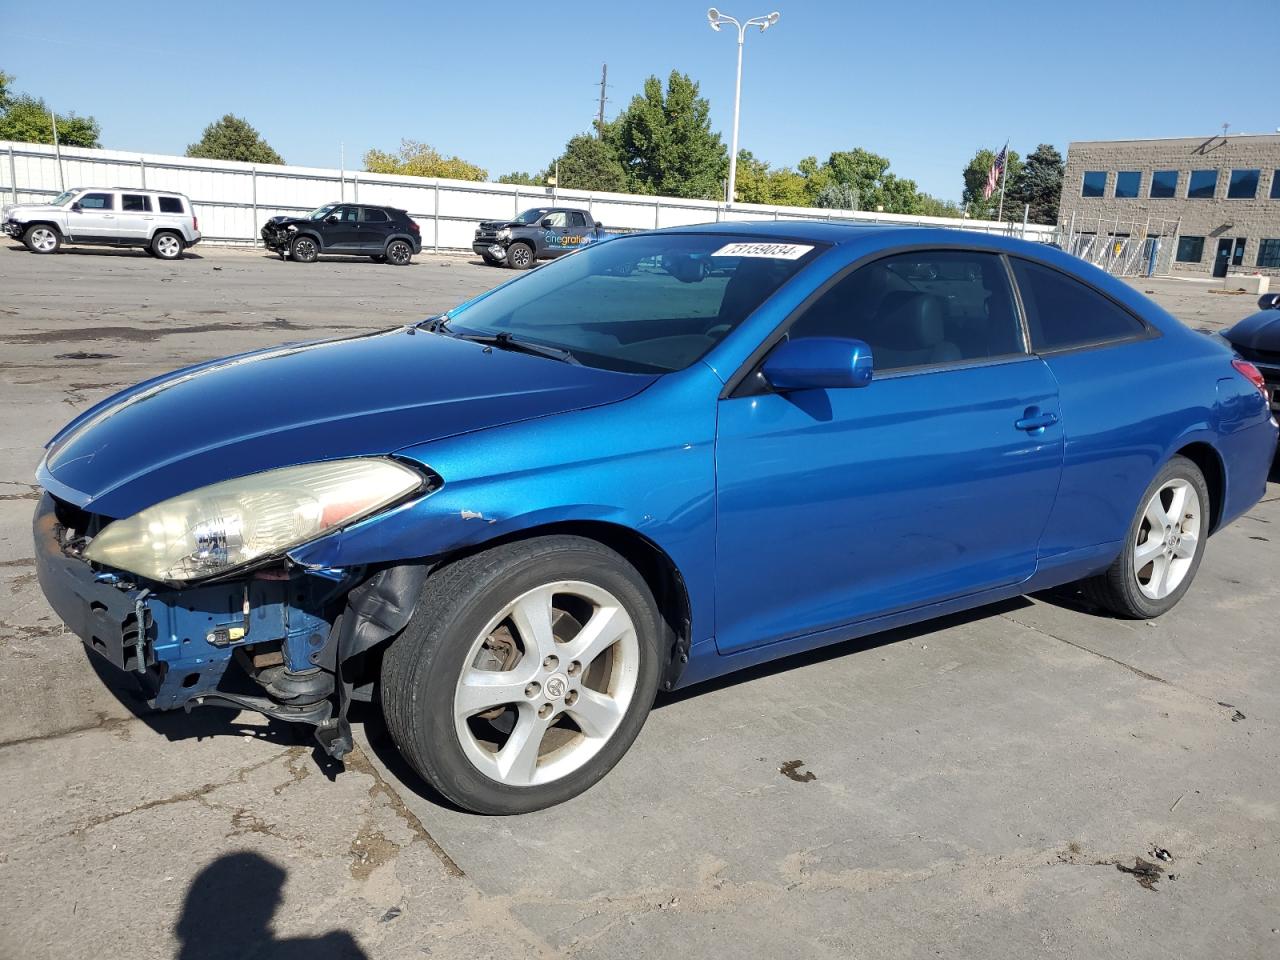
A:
x,y
975,180
417,159
862,170
26,119
1039,184
816,179
233,138
590,163
931,206
524,179
665,142
835,195
757,182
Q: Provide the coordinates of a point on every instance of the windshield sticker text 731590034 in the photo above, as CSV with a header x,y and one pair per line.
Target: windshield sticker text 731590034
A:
x,y
768,251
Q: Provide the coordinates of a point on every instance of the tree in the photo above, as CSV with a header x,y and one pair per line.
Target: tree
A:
x,y
26,119
665,143
524,179
1039,184
417,159
590,163
835,195
931,206
5,80
975,180
233,138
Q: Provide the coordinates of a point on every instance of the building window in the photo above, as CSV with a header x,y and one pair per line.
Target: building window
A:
x,y
1203,185
1269,253
1164,184
1244,184
1095,183
1128,183
1190,249
1275,185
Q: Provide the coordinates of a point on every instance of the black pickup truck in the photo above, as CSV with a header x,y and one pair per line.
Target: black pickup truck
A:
x,y
540,233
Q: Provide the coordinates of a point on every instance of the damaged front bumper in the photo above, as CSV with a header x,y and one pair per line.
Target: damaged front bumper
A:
x,y
275,238
283,641
13,228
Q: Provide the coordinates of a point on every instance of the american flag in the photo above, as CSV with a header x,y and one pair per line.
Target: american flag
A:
x,y
993,175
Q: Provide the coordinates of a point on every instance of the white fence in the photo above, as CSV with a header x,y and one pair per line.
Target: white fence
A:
x,y
234,199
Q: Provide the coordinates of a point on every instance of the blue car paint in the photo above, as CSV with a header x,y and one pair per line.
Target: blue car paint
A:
x,y
792,521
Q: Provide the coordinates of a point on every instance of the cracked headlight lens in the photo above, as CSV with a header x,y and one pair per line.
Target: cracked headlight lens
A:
x,y
504,233
233,523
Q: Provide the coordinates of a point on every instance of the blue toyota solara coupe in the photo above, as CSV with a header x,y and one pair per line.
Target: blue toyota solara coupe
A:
x,y
653,462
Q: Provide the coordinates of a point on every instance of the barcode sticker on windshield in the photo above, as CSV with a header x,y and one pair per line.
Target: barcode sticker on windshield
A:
x,y
769,251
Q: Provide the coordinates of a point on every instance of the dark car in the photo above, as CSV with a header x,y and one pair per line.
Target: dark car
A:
x,y
540,233
1257,339
383,234
671,456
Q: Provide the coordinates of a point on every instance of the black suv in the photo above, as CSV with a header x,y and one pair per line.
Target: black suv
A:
x,y
384,234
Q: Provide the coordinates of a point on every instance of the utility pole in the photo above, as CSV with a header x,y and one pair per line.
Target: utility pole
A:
x,y
57,152
604,83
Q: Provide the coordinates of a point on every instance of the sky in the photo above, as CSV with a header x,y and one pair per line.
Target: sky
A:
x,y
504,84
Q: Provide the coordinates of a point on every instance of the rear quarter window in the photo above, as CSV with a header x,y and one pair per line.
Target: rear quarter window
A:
x,y
1063,312
171,205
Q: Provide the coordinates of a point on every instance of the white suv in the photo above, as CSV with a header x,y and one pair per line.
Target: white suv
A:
x,y
161,221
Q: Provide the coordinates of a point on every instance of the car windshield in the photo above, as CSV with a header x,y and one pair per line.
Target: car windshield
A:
x,y
64,197
319,213
530,216
649,303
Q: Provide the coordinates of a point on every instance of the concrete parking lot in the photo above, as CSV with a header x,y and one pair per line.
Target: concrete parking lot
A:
x,y
989,785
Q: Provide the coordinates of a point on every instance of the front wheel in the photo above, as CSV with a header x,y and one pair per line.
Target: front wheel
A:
x,y
520,256
1163,548
399,253
42,239
525,673
304,249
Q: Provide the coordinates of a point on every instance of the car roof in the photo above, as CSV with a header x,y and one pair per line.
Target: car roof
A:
x,y
835,232
167,193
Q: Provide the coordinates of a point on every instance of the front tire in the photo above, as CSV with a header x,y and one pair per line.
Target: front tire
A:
x,y
525,673
42,238
1163,547
520,256
304,249
166,245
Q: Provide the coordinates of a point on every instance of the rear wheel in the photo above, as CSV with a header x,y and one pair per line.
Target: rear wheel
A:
x,y
520,256
166,245
42,238
1163,548
525,673
399,253
304,249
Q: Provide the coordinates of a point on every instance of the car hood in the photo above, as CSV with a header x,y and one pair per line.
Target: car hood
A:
x,y
20,210
499,224
364,396
1260,331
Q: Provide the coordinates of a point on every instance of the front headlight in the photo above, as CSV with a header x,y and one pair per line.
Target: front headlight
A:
x,y
230,524
504,233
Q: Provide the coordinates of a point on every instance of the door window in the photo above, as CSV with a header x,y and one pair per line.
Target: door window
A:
x,y
135,202
557,218
1063,313
345,214
920,309
577,219
97,201
374,215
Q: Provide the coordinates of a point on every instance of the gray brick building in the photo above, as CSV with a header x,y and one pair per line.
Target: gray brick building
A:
x,y
1214,201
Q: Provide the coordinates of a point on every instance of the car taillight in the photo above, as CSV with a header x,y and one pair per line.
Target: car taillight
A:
x,y
195,223
1252,374
413,225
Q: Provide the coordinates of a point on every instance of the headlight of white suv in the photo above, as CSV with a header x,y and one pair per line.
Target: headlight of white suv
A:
x,y
233,523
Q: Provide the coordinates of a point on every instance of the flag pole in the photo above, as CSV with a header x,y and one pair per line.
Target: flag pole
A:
x,y
1004,175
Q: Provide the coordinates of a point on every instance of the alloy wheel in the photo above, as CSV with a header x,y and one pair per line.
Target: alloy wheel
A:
x,y
168,247
546,683
399,253
43,239
1167,539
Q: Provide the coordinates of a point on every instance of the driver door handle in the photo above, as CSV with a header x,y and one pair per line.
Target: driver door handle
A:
x,y
1034,420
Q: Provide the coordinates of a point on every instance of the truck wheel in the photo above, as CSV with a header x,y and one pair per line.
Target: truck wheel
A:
x,y
42,238
304,249
166,245
520,256
399,253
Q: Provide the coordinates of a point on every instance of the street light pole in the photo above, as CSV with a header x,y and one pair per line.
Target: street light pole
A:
x,y
715,18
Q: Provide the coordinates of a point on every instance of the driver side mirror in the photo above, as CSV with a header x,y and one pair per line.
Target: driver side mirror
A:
x,y
75,207
546,223
331,218
818,363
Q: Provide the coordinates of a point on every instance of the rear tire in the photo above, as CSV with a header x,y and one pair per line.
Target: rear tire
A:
x,y
42,238
520,256
166,245
1163,546
399,253
304,249
523,747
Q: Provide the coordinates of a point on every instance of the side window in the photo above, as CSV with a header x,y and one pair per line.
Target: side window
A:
x,y
557,218
97,201
577,219
346,214
373,215
138,203
918,309
1062,312
171,205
